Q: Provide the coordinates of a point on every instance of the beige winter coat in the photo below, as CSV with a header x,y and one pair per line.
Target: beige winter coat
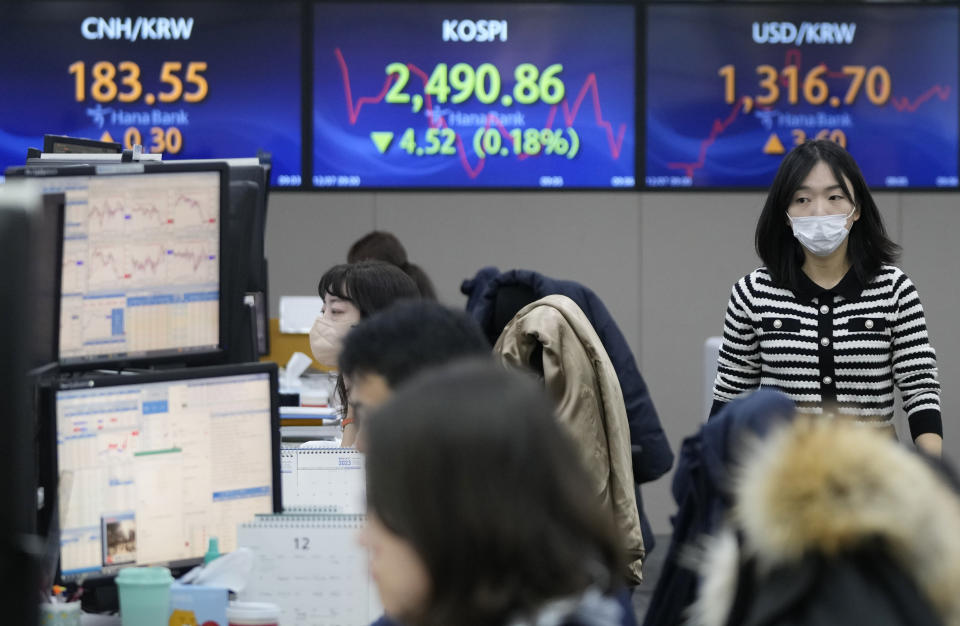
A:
x,y
581,379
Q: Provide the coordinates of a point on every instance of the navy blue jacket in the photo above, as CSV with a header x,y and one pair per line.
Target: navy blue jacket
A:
x,y
651,453
701,489
652,456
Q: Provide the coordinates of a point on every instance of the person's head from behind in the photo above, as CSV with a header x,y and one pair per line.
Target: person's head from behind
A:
x,y
478,507
393,345
818,196
352,292
383,246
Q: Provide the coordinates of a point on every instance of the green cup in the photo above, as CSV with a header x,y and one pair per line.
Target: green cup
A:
x,y
144,596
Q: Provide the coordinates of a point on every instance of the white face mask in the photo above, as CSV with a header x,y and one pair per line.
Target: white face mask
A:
x,y
821,234
326,339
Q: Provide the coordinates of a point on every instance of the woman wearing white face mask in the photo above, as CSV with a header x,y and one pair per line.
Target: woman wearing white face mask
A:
x,y
828,320
351,292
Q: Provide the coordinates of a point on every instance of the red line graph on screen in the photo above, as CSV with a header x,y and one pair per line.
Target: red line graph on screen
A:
x,y
106,216
717,129
193,262
125,265
901,104
904,105
147,212
615,140
194,209
114,216
107,266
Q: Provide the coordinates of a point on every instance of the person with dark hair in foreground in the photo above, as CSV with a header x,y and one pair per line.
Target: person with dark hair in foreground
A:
x,y
351,293
395,344
828,320
383,246
506,532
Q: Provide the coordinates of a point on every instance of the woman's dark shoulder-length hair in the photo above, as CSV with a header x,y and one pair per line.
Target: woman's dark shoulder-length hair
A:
x,y
370,285
869,246
470,466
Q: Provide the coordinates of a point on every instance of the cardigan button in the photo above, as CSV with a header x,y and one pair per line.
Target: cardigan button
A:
x,y
825,342
827,380
777,323
868,324
824,309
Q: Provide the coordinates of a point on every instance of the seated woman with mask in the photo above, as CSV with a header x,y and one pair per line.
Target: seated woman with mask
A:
x,y
352,292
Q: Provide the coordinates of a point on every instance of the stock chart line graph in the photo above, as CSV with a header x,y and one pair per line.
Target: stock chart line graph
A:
x,y
126,266
794,58
569,113
141,265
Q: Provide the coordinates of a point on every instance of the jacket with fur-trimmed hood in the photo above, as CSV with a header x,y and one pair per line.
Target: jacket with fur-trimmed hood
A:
x,y
834,524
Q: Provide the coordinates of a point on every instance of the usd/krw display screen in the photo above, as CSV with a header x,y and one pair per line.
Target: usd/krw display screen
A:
x,y
473,95
730,89
186,79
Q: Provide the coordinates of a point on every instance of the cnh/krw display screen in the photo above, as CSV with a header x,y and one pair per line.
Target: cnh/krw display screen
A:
x,y
473,95
731,89
186,79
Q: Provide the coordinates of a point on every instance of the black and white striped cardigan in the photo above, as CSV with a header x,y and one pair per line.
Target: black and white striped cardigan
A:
x,y
838,350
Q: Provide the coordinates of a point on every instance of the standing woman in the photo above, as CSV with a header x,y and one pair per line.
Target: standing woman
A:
x,y
828,320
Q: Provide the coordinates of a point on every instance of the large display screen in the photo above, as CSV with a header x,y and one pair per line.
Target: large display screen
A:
x,y
474,95
730,89
186,79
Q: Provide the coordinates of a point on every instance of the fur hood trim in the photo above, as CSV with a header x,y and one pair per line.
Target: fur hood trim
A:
x,y
827,487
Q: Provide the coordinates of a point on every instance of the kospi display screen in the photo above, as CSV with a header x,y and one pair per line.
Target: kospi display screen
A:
x,y
186,79
473,95
730,89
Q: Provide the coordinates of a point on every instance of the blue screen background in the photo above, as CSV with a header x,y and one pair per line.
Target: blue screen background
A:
x,y
911,140
252,51
595,40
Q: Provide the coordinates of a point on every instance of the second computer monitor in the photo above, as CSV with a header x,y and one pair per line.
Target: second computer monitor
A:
x,y
153,466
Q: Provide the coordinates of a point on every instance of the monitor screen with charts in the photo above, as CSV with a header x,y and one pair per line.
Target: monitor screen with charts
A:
x,y
153,466
141,277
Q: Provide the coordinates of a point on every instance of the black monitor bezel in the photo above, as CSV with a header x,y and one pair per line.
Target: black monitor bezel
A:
x,y
186,374
53,207
257,278
50,143
204,356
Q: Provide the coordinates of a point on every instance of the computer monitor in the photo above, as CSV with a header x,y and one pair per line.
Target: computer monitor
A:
x,y
152,466
142,269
